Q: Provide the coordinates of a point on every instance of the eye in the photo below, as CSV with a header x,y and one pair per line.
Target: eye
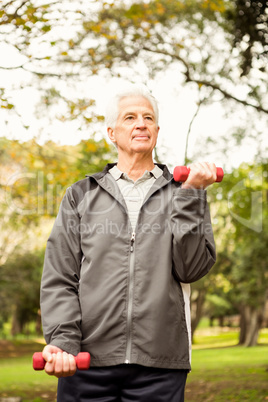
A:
x,y
129,117
149,118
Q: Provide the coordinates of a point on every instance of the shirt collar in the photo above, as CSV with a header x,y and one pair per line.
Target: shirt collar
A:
x,y
156,172
117,174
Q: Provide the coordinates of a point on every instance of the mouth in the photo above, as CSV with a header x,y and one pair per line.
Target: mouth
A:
x,y
141,137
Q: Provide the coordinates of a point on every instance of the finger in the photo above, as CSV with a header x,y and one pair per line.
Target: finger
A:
x,y
47,352
205,166
58,363
50,366
193,169
47,357
65,362
198,170
213,169
202,174
209,171
68,365
72,364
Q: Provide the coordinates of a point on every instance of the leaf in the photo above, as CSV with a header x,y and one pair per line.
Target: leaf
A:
x,y
46,28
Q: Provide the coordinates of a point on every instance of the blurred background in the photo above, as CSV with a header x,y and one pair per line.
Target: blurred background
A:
x,y
206,63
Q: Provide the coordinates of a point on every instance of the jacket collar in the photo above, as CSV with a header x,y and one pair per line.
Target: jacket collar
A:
x,y
107,182
166,173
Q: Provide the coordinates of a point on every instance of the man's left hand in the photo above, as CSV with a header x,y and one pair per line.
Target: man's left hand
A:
x,y
201,175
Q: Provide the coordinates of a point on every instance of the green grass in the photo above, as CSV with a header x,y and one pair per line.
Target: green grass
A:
x,y
220,372
229,374
229,358
215,339
17,377
221,337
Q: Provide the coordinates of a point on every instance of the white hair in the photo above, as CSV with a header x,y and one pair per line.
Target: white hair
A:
x,y
112,110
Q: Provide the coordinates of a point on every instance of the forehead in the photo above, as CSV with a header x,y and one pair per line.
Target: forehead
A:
x,y
134,104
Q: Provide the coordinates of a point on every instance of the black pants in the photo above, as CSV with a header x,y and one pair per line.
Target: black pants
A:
x,y
123,383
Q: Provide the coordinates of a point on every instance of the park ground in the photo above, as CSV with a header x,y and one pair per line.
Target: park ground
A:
x,y
221,371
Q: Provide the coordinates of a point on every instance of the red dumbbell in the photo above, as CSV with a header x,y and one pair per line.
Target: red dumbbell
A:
x,y
181,173
82,361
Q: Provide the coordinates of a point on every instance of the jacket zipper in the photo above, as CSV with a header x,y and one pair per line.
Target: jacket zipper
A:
x,y
130,297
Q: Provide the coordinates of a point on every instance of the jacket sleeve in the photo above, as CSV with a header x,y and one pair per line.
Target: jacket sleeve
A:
x,y
60,308
193,243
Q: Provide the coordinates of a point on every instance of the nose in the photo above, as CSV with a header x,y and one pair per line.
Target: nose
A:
x,y
141,122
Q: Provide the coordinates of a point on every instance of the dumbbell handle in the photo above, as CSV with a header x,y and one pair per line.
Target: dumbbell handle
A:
x,y
82,361
181,173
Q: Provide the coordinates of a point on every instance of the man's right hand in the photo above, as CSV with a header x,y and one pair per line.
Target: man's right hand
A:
x,y
58,362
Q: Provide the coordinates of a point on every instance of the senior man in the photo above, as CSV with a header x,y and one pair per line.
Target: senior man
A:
x,y
125,246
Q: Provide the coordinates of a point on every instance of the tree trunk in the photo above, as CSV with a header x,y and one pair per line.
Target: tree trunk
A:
x,y
242,333
16,327
221,322
250,324
38,323
211,321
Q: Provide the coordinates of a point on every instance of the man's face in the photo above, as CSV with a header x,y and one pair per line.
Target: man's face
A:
x,y
136,130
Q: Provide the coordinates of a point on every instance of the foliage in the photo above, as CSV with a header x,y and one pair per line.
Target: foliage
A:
x,y
217,306
242,251
38,37
33,179
241,270
217,46
19,287
94,155
35,176
163,32
249,20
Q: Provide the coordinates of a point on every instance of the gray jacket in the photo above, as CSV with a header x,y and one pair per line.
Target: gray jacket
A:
x,y
119,294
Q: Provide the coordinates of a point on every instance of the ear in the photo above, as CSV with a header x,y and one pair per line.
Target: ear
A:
x,y
111,135
158,128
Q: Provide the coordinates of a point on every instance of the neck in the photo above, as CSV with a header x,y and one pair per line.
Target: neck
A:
x,y
136,166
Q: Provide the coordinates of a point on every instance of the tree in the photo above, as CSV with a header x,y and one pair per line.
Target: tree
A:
x,y
164,32
199,39
205,39
218,307
239,280
249,25
38,37
242,264
33,179
20,288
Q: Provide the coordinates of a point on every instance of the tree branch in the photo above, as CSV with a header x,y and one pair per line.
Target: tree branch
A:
x,y
14,14
173,56
208,84
228,95
22,66
19,7
186,160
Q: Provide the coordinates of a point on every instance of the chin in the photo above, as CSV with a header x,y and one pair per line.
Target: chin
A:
x,y
142,148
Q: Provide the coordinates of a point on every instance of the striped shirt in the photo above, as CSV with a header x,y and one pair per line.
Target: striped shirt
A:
x,y
134,192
